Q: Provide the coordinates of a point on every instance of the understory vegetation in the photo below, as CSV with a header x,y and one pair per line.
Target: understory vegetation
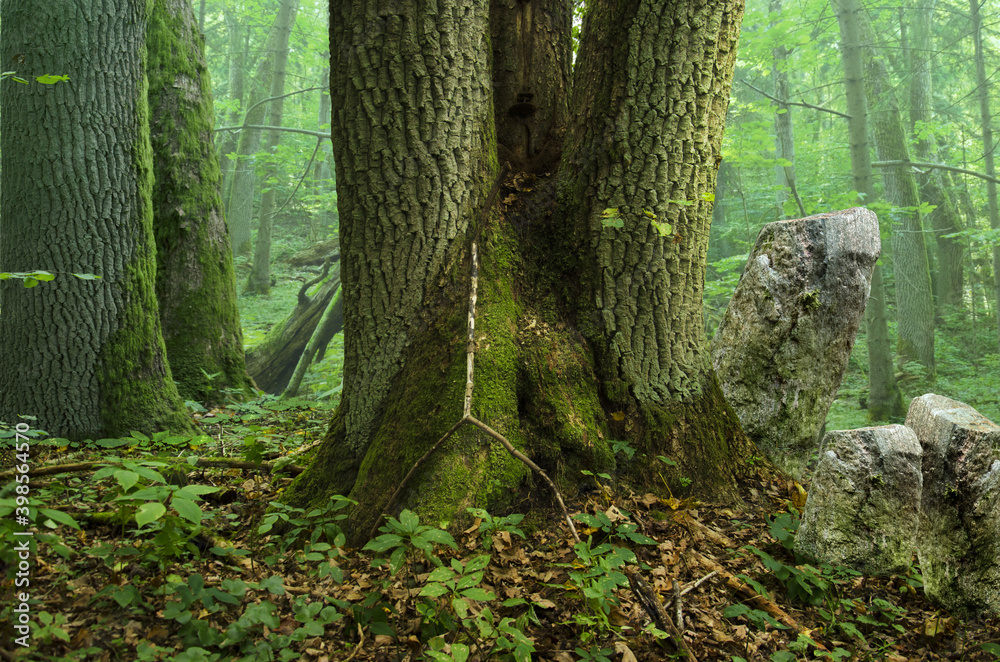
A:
x,y
147,552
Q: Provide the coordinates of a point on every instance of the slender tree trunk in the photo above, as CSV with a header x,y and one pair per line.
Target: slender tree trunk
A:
x,y
884,398
195,284
944,218
85,357
239,211
784,134
914,297
986,118
229,141
584,332
531,80
259,281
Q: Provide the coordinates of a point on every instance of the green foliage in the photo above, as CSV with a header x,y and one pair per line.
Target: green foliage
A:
x,y
407,538
595,575
491,525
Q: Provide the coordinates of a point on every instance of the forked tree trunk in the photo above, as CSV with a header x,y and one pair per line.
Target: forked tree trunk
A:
x,y
884,398
195,285
584,332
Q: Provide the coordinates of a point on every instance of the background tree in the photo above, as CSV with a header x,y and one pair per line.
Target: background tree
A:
x,y
86,357
259,281
587,332
195,283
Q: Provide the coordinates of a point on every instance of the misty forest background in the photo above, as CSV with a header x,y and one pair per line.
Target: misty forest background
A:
x,y
786,155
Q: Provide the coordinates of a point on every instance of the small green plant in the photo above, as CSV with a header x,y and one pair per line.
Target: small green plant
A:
x,y
491,525
624,529
407,538
623,447
684,480
594,654
804,583
596,575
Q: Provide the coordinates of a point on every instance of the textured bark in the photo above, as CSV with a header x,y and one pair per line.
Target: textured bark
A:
x,y
86,357
945,219
195,282
259,281
884,398
583,333
531,79
914,298
989,162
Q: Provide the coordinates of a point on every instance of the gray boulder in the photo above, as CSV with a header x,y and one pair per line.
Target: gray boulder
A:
x,y
864,501
959,538
784,342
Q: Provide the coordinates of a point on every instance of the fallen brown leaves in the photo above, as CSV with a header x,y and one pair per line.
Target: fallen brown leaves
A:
x,y
698,546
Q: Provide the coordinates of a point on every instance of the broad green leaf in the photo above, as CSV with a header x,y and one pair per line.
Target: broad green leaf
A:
x,y
149,512
187,509
434,590
480,594
409,520
59,516
49,79
384,542
127,479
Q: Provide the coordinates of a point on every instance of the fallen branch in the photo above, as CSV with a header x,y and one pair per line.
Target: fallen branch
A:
x,y
647,597
695,584
738,585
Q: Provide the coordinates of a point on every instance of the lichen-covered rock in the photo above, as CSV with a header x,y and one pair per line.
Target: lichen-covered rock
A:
x,y
864,501
784,342
959,537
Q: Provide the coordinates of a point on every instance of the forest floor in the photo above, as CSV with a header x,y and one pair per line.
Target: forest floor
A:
x,y
222,583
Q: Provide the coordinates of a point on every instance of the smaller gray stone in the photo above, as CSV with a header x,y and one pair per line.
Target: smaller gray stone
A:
x,y
864,501
959,539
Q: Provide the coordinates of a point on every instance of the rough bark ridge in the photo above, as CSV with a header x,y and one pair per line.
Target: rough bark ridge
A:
x,y
86,357
584,333
194,285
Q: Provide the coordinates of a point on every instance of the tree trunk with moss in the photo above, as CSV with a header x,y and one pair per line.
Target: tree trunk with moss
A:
x,y
85,357
195,284
585,333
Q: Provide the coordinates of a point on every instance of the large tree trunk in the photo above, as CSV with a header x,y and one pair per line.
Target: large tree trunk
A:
x,y
259,281
195,284
884,398
986,119
86,357
584,333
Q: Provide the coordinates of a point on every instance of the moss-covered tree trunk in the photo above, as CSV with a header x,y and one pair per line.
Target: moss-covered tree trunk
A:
x,y
86,357
584,333
195,284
